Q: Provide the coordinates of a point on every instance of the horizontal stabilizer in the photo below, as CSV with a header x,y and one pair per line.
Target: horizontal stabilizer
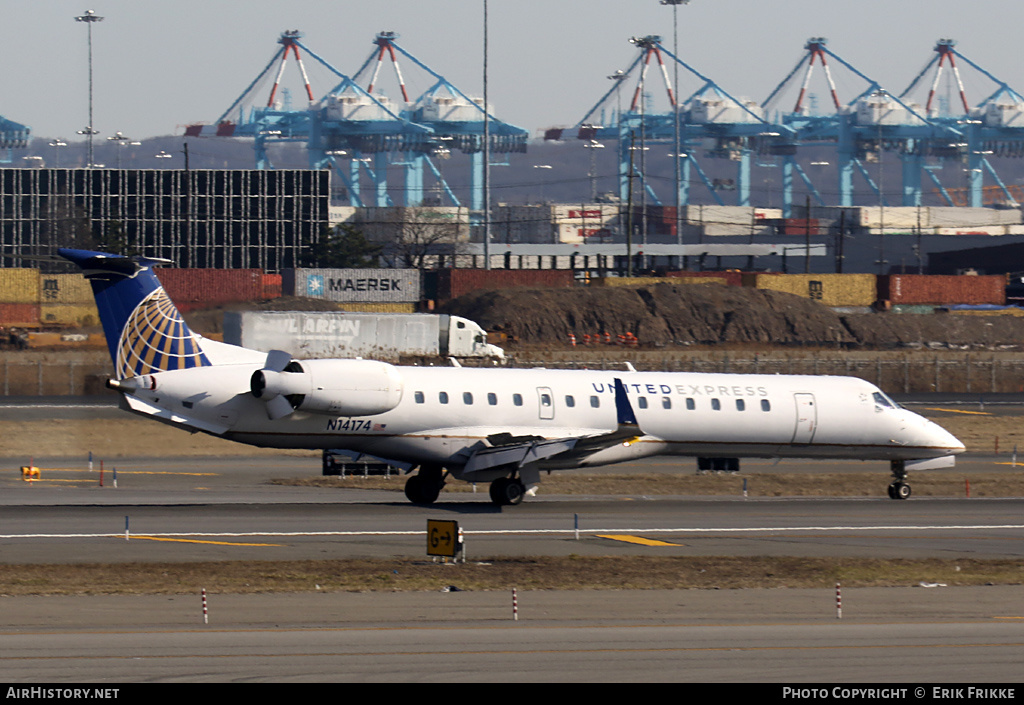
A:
x,y
142,407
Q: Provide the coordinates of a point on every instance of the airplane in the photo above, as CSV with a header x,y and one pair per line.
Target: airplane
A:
x,y
485,425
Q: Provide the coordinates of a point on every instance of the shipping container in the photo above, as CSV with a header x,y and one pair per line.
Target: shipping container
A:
x,y
827,289
193,289
453,283
732,278
80,315
942,289
64,289
271,286
19,315
353,285
378,308
800,226
19,286
649,281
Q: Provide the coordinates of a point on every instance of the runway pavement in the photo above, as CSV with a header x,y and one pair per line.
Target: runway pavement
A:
x,y
896,635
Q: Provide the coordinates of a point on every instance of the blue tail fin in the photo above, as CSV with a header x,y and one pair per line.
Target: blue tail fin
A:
x,y
145,333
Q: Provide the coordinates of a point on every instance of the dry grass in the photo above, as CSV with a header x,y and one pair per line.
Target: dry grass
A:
x,y
538,573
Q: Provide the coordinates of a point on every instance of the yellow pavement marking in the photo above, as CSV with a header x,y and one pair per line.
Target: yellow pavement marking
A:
x,y
960,411
215,543
626,538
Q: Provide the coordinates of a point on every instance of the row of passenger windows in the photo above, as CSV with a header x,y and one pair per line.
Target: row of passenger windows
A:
x,y
595,401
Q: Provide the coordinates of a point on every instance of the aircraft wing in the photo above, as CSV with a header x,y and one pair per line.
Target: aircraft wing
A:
x,y
524,450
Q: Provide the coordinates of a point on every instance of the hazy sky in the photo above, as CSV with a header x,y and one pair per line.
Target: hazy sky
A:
x,y
161,65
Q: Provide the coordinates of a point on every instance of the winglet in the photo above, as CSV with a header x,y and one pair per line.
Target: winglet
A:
x,y
623,409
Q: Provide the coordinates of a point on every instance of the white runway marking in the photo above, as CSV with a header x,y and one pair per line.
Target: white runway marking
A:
x,y
496,532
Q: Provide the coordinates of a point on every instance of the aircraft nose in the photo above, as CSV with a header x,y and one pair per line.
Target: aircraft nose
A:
x,y
944,440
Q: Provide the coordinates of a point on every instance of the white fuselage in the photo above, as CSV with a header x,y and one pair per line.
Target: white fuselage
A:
x,y
445,412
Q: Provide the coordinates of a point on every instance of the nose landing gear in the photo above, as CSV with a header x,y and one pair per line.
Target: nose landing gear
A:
x,y
899,488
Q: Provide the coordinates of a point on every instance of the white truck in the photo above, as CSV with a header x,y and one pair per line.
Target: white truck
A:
x,y
387,336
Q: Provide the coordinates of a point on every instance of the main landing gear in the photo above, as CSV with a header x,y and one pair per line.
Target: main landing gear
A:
x,y
507,491
425,486
899,488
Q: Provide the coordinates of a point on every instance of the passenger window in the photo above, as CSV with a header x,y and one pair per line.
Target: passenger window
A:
x,y
492,398
740,405
716,405
642,402
666,402
570,401
418,396
545,400
467,398
517,399
595,402
442,397
766,405
690,404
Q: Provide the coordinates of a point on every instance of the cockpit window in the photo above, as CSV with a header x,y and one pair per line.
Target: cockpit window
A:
x,y
884,401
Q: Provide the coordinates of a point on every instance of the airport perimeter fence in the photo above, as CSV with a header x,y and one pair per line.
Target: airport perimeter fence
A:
x,y
968,374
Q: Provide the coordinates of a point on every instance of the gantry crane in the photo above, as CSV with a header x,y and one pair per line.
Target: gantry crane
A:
x,y
736,127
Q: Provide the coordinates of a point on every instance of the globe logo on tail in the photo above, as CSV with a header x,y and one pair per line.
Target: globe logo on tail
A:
x,y
156,339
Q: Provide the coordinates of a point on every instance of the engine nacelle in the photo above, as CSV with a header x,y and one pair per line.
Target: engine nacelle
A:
x,y
335,387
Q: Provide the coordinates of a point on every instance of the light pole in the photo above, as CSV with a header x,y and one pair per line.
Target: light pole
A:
x,y
675,110
121,141
487,157
89,18
57,144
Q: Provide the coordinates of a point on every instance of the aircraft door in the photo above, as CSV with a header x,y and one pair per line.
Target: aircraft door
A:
x,y
546,402
806,418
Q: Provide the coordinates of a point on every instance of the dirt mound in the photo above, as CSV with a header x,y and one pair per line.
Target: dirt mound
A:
x,y
666,314
657,314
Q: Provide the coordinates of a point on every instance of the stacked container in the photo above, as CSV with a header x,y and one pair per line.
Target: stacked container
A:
x,y
194,289
828,289
358,290
66,300
942,289
19,297
453,283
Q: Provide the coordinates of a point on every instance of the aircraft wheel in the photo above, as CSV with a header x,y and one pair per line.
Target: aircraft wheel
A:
x,y
419,491
899,490
507,491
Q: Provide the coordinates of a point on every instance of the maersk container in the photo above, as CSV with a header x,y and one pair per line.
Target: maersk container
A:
x,y
335,334
353,285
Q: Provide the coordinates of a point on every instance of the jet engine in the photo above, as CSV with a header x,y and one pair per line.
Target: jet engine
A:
x,y
333,387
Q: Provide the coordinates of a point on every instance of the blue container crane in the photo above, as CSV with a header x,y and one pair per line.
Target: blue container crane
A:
x,y
995,126
872,122
348,121
736,128
13,135
455,120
